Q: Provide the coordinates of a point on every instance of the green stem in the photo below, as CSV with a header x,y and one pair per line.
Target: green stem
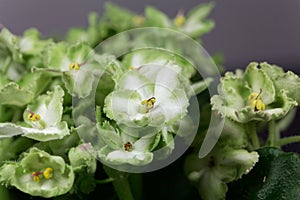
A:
x,y
7,64
17,115
288,140
253,135
120,183
273,134
108,180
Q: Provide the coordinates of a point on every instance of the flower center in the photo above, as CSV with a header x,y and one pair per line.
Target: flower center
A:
x,y
47,174
256,102
179,20
75,66
36,176
33,116
128,146
149,102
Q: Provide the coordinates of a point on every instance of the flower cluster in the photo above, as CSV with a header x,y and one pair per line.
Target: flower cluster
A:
x,y
262,93
143,95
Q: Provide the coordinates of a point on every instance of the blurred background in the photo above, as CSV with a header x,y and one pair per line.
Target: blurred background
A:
x,y
245,30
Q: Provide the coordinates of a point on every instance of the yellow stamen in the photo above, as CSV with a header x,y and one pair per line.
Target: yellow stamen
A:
x,y
132,68
36,176
33,116
149,102
75,66
138,20
48,173
256,102
179,20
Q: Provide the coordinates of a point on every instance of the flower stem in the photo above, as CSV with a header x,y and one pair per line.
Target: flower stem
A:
x,y
253,135
273,134
120,183
7,63
108,180
288,140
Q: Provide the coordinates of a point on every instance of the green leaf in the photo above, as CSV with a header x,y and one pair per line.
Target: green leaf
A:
x,y
275,176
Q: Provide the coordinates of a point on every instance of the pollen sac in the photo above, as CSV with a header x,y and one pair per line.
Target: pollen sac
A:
x,y
253,96
259,105
149,102
48,173
75,66
179,20
256,102
128,146
36,176
33,117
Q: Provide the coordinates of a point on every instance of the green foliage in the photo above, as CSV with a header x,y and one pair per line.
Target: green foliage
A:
x,y
276,176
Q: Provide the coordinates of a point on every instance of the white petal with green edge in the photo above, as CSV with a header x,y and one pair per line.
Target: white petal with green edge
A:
x,y
157,57
123,105
48,106
133,81
173,104
133,157
46,134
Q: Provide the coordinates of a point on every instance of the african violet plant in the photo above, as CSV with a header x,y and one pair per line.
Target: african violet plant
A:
x,y
67,105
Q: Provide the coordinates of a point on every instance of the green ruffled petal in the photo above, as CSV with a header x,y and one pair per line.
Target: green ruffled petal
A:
x,y
20,94
289,82
115,153
258,79
196,24
9,42
156,18
234,91
49,127
13,94
221,166
20,175
83,157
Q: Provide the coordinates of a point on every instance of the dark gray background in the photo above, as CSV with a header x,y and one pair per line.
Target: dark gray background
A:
x,y
246,30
